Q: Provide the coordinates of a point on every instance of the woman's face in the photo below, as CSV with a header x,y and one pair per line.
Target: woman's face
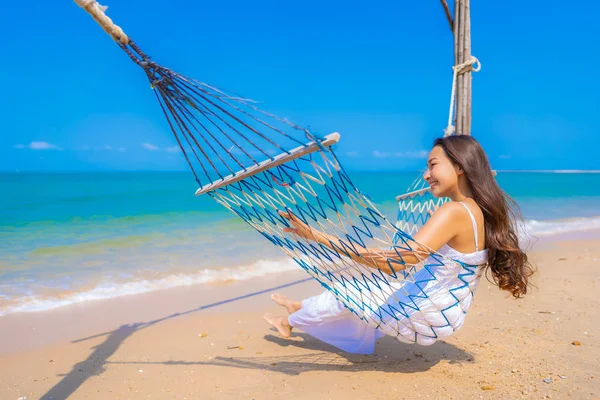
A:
x,y
441,173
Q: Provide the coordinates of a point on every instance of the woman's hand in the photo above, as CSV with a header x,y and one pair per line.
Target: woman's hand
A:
x,y
298,228
369,257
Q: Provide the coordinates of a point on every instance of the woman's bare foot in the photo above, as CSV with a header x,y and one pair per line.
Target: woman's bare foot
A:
x,y
281,323
290,305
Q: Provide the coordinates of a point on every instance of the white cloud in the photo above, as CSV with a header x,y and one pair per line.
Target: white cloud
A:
x,y
153,147
401,154
149,146
413,154
43,146
377,153
37,146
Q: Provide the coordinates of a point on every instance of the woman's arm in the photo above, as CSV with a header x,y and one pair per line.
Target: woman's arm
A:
x,y
439,230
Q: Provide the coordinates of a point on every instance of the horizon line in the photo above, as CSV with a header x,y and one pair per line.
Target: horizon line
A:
x,y
555,171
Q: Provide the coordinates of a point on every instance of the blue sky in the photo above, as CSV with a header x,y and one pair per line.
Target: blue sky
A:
x,y
377,72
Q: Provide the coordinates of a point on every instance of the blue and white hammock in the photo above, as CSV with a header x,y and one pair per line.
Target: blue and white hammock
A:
x,y
257,165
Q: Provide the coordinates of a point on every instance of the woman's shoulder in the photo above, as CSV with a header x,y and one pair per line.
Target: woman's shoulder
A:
x,y
450,224
451,209
458,207
447,216
461,214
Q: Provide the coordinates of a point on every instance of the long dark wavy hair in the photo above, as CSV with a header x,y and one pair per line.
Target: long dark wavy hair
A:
x,y
507,262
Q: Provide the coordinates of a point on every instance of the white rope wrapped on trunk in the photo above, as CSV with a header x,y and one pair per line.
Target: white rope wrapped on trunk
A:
x,y
472,65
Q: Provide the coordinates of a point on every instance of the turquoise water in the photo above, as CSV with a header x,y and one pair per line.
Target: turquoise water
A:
x,y
73,237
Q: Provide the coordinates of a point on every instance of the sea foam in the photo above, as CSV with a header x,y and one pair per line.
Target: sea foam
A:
x,y
561,226
110,289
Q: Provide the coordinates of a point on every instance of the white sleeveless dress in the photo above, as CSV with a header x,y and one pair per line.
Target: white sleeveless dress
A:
x,y
325,318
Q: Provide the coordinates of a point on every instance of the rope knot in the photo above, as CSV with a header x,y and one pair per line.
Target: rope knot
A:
x,y
147,63
468,66
154,82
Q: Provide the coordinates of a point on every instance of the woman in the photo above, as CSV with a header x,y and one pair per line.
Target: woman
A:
x,y
476,227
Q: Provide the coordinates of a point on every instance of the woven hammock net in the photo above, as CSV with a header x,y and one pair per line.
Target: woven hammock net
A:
x,y
258,165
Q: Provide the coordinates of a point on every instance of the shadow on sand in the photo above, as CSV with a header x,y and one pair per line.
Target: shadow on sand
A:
x,y
391,355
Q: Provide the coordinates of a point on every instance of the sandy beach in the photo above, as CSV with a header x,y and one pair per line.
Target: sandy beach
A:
x,y
166,167
210,342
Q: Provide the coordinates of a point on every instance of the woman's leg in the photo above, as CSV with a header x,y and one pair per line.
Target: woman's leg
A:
x,y
281,323
326,319
290,305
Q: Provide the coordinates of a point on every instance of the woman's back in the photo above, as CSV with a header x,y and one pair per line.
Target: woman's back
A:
x,y
471,235
437,297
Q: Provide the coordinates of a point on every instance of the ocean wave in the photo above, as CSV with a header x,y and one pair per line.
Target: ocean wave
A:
x,y
35,302
108,290
561,226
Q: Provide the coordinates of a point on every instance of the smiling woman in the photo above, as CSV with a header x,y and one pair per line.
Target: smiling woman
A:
x,y
475,229
287,183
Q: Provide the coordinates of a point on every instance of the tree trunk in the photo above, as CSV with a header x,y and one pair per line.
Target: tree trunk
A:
x,y
462,53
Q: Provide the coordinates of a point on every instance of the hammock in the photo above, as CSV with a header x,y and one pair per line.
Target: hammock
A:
x,y
257,165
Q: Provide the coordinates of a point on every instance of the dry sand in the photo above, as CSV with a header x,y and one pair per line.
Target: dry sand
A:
x,y
203,343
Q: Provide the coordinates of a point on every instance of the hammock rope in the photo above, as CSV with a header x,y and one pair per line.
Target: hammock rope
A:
x,y
260,166
212,127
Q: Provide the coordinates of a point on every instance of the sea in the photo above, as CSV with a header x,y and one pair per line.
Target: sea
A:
x,y
69,238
